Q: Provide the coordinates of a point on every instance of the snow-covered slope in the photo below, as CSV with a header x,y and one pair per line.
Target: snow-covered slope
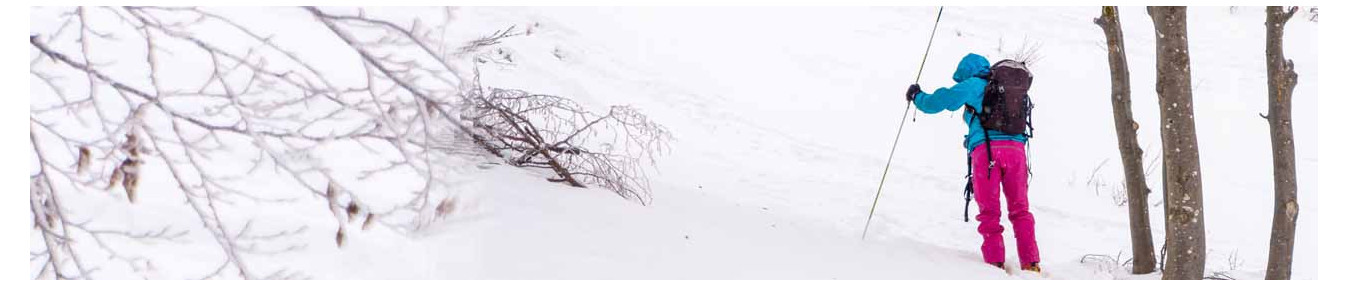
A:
x,y
782,118
792,109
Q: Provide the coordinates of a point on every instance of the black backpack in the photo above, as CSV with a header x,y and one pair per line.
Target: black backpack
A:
x,y
1006,108
1006,99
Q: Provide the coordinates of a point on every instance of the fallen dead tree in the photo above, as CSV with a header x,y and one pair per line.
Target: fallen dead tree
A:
x,y
581,147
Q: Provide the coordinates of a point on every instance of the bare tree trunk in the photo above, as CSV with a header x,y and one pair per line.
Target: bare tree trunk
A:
x,y
1281,80
1144,257
1184,185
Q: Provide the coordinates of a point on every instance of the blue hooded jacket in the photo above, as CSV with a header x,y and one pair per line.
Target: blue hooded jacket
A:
x,y
968,90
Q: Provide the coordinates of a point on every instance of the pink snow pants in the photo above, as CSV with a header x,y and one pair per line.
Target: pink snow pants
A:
x,y
1009,174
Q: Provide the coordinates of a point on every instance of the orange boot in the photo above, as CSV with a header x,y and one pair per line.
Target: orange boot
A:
x,y
1033,267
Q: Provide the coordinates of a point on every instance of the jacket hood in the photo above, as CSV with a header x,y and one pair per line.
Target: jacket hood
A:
x,y
971,66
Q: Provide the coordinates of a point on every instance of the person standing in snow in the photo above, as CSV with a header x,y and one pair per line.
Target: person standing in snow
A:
x,y
1007,172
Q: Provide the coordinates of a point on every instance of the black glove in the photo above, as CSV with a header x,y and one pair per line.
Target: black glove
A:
x,y
912,92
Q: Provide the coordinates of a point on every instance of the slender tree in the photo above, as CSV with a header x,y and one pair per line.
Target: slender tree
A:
x,y
1184,201
1281,80
1144,257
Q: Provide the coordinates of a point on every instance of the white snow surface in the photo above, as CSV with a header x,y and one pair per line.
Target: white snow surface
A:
x,y
782,118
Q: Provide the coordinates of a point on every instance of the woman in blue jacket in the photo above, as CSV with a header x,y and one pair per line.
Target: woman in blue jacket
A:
x,y
1008,169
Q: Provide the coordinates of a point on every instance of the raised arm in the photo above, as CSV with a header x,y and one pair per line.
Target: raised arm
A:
x,y
949,99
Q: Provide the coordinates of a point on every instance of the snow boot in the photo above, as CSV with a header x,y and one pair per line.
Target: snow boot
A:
x,y
1032,267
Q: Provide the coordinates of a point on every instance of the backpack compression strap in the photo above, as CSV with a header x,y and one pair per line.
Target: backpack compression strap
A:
x,y
987,139
968,184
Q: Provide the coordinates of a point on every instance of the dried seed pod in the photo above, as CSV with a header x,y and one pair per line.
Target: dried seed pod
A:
x,y
446,206
369,222
115,179
131,177
83,162
332,200
51,220
341,237
351,211
130,185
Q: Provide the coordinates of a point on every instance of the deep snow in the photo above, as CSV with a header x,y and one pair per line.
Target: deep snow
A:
x,y
782,118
